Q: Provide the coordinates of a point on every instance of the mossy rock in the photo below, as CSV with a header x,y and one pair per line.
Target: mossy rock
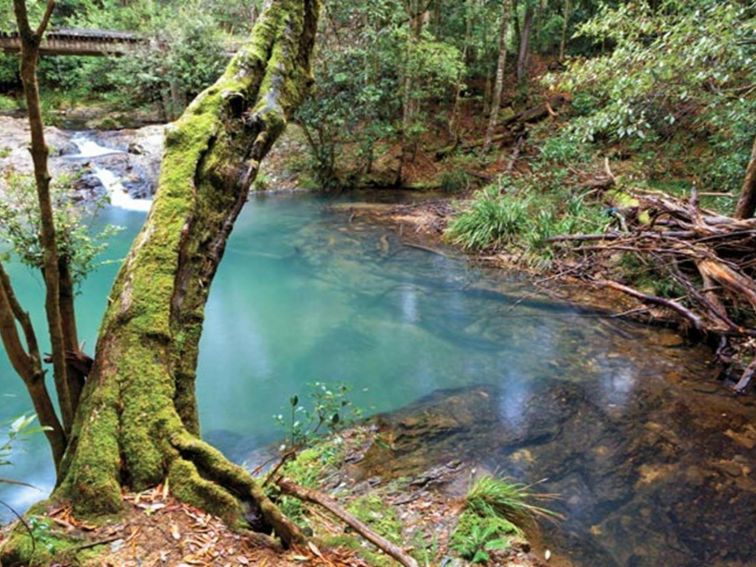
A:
x,y
40,542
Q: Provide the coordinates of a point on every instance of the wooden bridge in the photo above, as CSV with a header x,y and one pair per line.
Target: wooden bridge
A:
x,y
77,42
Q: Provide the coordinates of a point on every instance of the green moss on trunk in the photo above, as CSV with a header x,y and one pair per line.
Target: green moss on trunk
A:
x,y
138,407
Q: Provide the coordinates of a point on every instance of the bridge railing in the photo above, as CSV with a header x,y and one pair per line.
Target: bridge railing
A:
x,y
77,42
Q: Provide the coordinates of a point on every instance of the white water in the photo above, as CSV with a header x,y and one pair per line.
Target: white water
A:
x,y
90,149
119,196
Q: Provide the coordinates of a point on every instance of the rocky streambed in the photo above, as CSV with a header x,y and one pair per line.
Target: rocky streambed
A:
x,y
122,163
125,163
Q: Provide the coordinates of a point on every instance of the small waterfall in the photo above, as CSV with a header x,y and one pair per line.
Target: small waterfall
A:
x,y
90,149
119,195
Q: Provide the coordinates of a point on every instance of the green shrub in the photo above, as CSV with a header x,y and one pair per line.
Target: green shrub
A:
x,y
77,240
475,537
564,149
525,218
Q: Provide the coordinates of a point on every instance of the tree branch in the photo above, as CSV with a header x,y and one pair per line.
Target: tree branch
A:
x,y
46,18
686,313
309,495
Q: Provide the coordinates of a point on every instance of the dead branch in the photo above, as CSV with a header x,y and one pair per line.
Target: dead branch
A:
x,y
512,126
314,497
748,375
686,313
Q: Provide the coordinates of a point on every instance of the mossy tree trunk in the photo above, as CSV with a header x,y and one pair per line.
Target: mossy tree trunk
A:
x,y
137,424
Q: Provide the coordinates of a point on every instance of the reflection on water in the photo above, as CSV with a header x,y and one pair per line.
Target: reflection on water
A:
x,y
304,294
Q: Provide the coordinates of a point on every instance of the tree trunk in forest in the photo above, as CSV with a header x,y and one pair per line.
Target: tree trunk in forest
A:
x,y
522,57
137,423
30,44
75,374
746,207
566,13
417,11
68,363
506,15
454,122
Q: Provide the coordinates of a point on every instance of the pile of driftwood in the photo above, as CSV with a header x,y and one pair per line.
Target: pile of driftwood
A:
x,y
711,258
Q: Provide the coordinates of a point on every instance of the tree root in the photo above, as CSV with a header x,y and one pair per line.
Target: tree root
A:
x,y
215,468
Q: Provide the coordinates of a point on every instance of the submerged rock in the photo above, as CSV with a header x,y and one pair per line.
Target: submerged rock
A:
x,y
633,486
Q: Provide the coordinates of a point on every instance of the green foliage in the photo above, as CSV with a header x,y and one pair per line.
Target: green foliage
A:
x,y
685,66
20,225
8,104
9,73
523,214
262,182
491,496
306,469
563,150
363,85
181,60
327,410
20,429
475,537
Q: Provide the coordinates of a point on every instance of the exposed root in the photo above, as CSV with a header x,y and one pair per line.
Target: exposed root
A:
x,y
219,471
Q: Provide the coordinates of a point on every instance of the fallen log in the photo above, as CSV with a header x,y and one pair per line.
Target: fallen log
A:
x,y
730,279
315,497
514,126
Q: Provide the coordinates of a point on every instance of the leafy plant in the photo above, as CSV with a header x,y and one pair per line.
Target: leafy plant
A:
x,y
675,69
326,410
455,181
493,497
20,222
476,537
7,104
19,430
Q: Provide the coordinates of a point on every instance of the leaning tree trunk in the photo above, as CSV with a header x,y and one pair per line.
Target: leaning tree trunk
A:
x,y
137,423
746,207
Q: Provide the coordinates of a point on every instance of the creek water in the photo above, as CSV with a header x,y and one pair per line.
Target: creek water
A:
x,y
618,417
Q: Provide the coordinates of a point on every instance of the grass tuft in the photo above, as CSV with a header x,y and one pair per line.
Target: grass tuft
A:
x,y
494,513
